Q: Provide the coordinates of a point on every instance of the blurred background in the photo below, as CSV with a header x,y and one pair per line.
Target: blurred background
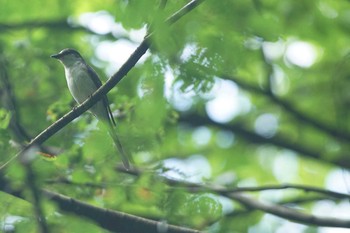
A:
x,y
243,93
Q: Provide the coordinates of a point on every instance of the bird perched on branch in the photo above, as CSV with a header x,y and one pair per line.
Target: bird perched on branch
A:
x,y
82,82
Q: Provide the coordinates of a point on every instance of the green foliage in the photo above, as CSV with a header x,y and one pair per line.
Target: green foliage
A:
x,y
5,118
290,121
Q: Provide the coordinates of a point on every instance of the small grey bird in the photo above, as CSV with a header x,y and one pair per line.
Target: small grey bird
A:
x,y
82,82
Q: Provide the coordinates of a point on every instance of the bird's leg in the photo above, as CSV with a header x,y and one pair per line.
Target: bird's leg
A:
x,y
75,107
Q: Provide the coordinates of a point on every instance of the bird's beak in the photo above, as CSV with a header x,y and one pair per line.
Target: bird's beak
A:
x,y
56,56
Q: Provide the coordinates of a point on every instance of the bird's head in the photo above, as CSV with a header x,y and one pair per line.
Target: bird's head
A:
x,y
68,57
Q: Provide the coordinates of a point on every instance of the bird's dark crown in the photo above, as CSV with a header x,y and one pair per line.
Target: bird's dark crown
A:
x,y
69,51
65,52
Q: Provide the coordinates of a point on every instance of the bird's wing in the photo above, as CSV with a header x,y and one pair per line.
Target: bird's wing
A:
x,y
98,83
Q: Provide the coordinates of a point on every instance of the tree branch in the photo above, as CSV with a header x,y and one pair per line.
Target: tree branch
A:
x,y
104,89
278,210
31,182
279,140
304,188
290,214
62,25
113,220
193,187
289,107
225,191
294,201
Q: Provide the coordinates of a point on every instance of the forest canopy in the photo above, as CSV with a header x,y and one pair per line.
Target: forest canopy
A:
x,y
234,113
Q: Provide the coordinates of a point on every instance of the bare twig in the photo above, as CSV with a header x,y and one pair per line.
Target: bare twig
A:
x,y
183,11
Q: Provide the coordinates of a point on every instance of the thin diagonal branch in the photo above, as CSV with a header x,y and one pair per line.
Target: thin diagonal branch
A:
x,y
183,11
104,89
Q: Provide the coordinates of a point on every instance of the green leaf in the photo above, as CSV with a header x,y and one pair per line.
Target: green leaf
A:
x,y
5,118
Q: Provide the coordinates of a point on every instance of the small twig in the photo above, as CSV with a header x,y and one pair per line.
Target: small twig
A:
x,y
183,11
162,4
304,188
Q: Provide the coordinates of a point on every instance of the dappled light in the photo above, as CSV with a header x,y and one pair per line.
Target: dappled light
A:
x,y
175,116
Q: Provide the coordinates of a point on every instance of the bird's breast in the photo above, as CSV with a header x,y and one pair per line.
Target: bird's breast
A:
x,y
79,83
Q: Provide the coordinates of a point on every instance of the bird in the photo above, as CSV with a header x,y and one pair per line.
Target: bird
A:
x,y
82,82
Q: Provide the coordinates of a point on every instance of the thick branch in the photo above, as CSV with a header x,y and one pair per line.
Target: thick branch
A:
x,y
304,188
108,219
113,220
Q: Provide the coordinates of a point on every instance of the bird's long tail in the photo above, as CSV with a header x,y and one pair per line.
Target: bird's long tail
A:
x,y
118,145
